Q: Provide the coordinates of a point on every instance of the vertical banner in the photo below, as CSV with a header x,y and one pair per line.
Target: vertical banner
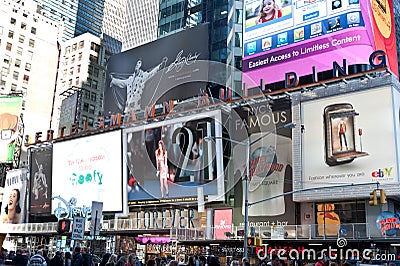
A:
x,y
10,109
222,223
97,214
40,182
13,205
78,228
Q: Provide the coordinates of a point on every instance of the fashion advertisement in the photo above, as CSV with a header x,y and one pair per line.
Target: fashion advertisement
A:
x,y
270,164
40,182
169,68
170,162
87,169
10,110
343,139
283,36
13,205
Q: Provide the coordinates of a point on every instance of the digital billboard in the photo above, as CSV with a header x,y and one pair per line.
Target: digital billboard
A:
x,y
13,205
282,36
10,110
343,139
270,165
222,223
169,68
88,169
170,161
40,181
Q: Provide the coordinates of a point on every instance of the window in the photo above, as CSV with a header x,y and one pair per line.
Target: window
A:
x,y
4,71
90,70
13,87
91,109
81,44
70,82
96,72
89,82
17,63
74,47
26,79
71,71
13,21
86,107
10,34
67,49
93,58
1,30
79,56
94,84
31,43
87,94
73,59
95,47
15,75
23,26
28,66
77,81
21,38
19,50
78,69
33,30
90,122
7,59
30,55
8,46
93,96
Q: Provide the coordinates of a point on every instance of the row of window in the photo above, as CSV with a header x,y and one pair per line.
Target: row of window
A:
x,y
21,38
74,47
23,25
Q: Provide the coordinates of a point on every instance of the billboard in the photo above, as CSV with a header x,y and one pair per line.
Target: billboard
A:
x,y
270,163
291,34
222,223
10,110
166,69
170,162
343,138
69,112
87,169
40,181
13,205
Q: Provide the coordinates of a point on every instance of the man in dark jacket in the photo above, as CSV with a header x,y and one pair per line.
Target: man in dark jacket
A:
x,y
57,260
19,259
77,259
87,257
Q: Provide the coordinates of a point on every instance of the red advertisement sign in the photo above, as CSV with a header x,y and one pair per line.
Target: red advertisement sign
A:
x,y
222,223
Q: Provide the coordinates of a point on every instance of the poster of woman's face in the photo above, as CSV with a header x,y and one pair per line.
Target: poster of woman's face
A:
x,y
12,209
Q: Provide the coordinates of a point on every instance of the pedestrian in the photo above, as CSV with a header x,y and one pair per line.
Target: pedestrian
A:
x,y
68,259
121,261
37,259
57,260
132,260
45,252
105,258
191,261
151,262
86,257
112,260
203,260
77,259
213,261
19,259
172,263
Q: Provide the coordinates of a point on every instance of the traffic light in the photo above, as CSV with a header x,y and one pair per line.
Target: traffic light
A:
x,y
251,241
258,242
373,201
382,196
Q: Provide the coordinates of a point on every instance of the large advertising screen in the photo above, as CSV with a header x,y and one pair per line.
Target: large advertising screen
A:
x,y
169,68
270,165
170,161
88,169
40,181
10,110
343,139
279,34
13,208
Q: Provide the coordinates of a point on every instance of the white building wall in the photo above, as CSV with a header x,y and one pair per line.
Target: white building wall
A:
x,y
32,53
141,23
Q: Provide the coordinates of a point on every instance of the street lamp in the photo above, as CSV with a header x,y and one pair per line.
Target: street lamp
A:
x,y
248,145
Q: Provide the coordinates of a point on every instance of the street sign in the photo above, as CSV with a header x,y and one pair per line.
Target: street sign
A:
x,y
78,228
97,214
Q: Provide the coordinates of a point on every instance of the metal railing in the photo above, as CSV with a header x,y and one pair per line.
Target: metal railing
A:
x,y
292,232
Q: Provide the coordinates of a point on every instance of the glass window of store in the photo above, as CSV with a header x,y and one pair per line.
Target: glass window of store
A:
x,y
346,218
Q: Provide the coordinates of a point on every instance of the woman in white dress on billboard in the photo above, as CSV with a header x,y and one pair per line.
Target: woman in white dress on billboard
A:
x,y
162,167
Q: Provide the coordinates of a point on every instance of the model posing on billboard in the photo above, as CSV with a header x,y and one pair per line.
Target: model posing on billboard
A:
x,y
39,183
12,211
134,85
162,167
269,10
